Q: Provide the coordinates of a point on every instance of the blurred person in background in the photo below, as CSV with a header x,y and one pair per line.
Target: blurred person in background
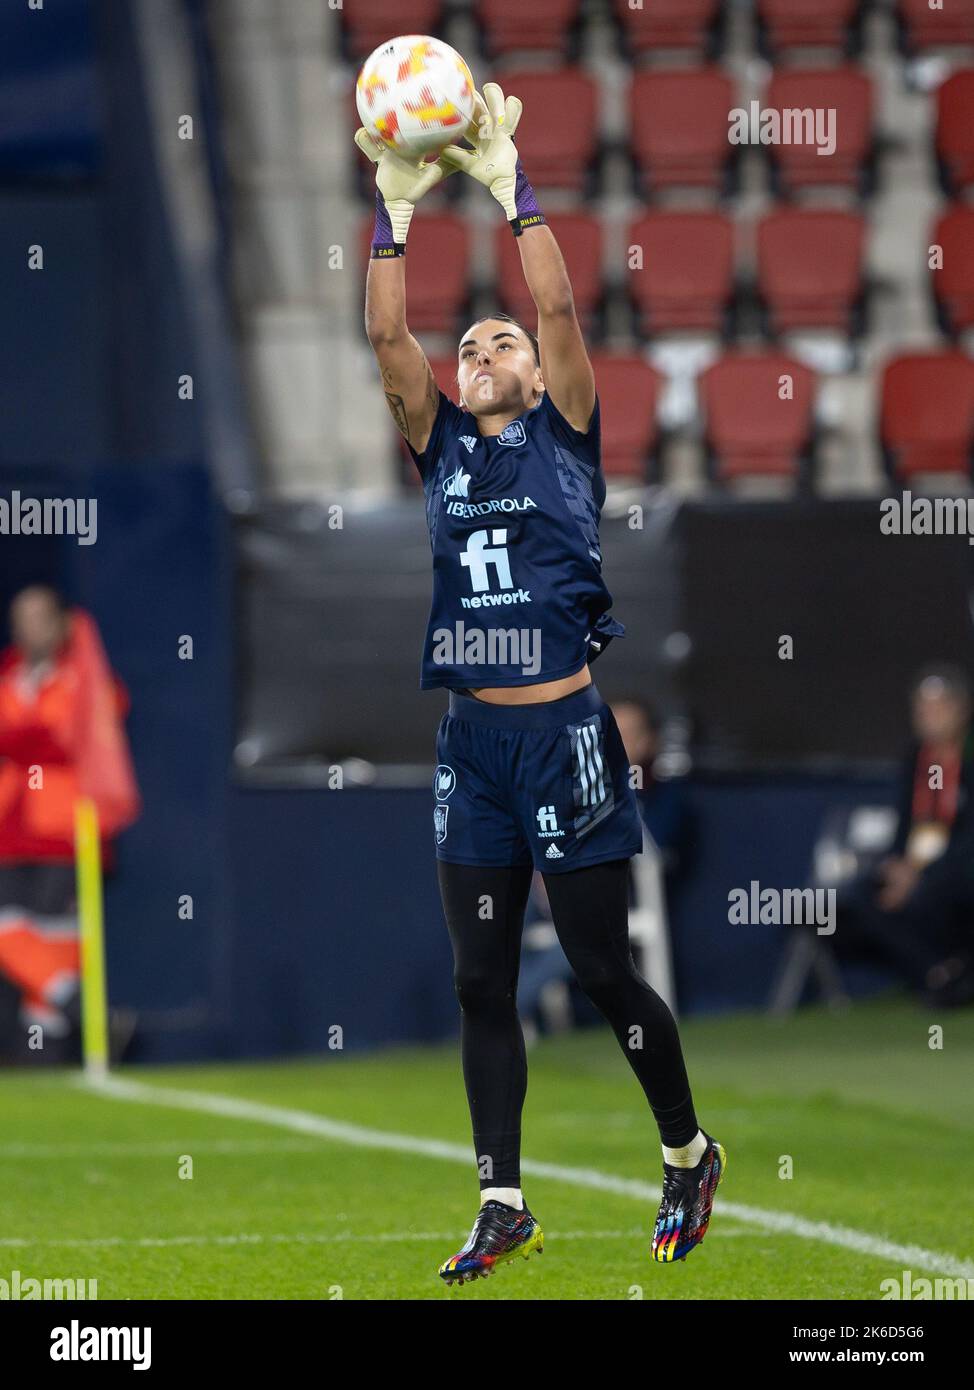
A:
x,y
917,911
662,802
61,738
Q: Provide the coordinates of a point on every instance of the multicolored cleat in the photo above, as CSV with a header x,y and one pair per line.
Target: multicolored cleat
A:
x,y
688,1200
499,1233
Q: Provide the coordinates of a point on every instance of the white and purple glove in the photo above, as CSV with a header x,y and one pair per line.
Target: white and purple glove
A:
x,y
399,185
494,159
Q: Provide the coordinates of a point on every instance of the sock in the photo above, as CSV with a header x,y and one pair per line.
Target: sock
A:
x,y
510,1196
689,1156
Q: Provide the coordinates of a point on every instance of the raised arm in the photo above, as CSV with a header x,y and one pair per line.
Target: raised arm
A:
x,y
494,162
565,366
407,378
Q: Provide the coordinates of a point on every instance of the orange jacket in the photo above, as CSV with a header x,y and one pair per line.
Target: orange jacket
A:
x,y
64,733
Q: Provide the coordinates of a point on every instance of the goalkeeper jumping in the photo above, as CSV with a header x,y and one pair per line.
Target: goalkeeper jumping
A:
x,y
531,771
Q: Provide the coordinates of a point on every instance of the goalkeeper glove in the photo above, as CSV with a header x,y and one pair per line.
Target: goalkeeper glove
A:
x,y
494,160
399,184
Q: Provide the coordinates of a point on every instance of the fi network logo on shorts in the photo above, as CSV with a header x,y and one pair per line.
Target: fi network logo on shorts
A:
x,y
548,827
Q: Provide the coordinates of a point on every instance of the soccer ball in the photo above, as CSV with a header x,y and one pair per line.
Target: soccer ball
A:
x,y
415,94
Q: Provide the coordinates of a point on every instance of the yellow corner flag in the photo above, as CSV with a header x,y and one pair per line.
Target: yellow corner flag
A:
x,y
94,1004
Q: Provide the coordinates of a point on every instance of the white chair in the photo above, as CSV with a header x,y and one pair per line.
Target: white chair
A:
x,y
648,921
849,842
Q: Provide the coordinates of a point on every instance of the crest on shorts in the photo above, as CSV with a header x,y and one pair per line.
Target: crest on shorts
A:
x,y
444,780
440,814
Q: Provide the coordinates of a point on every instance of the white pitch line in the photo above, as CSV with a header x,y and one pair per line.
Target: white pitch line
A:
x,y
299,1238
304,1122
158,1149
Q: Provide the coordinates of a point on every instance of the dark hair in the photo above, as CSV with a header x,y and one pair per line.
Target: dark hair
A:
x,y
506,318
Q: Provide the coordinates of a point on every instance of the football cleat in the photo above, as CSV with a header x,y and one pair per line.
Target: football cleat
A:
x,y
499,1233
688,1200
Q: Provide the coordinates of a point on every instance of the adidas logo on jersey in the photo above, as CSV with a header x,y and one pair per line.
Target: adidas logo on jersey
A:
x,y
554,852
469,441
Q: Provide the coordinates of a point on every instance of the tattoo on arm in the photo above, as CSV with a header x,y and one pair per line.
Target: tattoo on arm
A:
x,y
398,408
391,378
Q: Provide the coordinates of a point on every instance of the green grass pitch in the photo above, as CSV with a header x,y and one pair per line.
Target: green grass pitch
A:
x,y
873,1118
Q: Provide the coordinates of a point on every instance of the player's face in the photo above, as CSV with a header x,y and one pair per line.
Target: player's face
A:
x,y
496,369
37,624
939,715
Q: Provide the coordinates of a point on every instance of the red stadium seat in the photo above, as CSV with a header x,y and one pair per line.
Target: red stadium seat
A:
x,y
679,122
511,25
556,153
923,28
687,279
629,389
437,283
927,413
750,430
810,268
366,24
953,286
690,24
580,238
955,131
808,24
849,93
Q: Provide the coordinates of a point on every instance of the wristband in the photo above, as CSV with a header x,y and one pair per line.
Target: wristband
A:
x,y
528,213
384,243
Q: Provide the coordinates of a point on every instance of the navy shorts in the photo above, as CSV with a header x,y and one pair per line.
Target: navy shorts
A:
x,y
546,784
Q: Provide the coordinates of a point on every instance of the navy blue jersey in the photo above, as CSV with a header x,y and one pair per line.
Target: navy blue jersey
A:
x,y
518,595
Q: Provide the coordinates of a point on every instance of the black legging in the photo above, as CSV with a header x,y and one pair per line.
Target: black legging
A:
x,y
484,910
